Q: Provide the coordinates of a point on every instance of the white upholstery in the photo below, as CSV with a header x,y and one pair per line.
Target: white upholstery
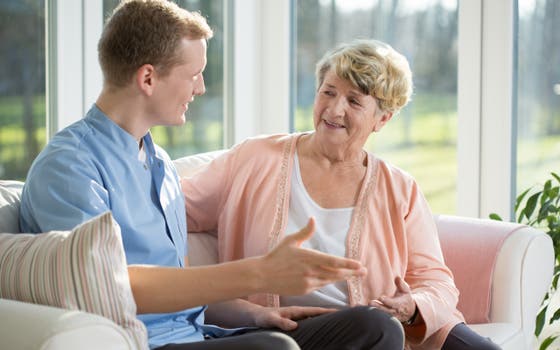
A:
x,y
524,265
30,326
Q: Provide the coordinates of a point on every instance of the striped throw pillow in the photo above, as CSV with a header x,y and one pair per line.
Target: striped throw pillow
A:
x,y
83,269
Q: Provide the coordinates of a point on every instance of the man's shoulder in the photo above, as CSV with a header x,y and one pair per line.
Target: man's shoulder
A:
x,y
75,137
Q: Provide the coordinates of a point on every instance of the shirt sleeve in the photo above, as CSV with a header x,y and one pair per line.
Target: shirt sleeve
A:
x,y
429,278
63,189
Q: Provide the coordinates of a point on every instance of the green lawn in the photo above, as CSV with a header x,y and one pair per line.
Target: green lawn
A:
x,y
421,140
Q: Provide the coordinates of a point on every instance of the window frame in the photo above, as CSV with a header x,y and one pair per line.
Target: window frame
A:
x,y
258,97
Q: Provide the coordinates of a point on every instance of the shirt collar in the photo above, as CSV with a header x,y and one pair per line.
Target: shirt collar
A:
x,y
120,137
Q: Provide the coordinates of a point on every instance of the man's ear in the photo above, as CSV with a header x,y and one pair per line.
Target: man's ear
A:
x,y
383,119
145,79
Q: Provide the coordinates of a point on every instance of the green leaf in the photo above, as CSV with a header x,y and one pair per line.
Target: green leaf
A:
x,y
556,177
545,209
520,198
531,204
546,343
546,191
555,316
555,280
540,321
495,216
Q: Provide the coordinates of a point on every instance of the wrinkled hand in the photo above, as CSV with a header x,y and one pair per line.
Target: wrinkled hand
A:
x,y
400,305
285,317
291,270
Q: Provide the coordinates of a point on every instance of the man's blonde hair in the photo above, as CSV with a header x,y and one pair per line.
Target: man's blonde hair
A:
x,y
146,32
373,67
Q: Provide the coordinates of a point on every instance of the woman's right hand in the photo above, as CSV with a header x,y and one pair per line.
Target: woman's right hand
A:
x,y
291,270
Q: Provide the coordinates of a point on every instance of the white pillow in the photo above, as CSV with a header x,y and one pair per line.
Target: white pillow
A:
x,y
83,269
190,165
10,196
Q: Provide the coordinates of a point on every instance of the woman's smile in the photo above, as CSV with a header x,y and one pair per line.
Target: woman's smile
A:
x,y
333,125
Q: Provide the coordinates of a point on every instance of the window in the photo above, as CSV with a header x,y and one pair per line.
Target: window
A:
x,y
538,93
421,139
22,85
204,128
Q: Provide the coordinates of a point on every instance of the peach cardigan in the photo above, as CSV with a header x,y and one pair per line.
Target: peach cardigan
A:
x,y
244,196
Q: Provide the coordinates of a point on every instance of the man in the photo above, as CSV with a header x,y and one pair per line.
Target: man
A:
x,y
152,54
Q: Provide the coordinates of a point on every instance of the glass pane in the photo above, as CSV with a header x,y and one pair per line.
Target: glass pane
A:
x,y
22,85
421,139
204,128
538,95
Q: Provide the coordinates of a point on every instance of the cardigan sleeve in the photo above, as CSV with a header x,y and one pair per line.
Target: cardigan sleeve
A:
x,y
430,280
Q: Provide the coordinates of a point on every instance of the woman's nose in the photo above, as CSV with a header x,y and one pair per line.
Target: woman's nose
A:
x,y
338,106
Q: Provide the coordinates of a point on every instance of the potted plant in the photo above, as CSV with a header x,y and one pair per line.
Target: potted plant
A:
x,y
539,206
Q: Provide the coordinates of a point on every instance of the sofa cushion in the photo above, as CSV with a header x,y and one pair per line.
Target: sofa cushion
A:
x,y
10,195
190,165
83,269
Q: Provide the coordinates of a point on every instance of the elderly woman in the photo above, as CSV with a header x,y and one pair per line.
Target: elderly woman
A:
x,y
365,208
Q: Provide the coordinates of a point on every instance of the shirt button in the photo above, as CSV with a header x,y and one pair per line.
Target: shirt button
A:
x,y
146,166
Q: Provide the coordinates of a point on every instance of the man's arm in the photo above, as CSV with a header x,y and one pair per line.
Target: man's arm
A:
x,y
286,270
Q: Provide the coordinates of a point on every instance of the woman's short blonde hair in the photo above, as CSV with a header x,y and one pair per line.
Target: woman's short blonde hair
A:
x,y
373,67
146,32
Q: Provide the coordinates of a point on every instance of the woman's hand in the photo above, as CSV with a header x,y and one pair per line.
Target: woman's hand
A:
x,y
285,317
400,305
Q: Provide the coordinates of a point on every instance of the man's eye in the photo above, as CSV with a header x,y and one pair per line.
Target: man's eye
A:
x,y
328,93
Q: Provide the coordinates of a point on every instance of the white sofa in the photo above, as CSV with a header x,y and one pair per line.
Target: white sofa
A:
x,y
522,273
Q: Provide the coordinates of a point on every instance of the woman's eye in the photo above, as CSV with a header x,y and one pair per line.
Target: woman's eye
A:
x,y
355,102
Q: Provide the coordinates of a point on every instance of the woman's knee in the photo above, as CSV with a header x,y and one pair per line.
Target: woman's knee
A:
x,y
380,327
462,337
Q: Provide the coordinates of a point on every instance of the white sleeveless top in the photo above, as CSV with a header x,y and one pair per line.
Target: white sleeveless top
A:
x,y
330,237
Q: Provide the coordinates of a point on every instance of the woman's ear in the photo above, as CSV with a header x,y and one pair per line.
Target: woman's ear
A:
x,y
145,79
382,119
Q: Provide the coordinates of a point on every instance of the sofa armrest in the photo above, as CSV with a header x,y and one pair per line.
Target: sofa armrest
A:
x,y
517,263
522,275
32,326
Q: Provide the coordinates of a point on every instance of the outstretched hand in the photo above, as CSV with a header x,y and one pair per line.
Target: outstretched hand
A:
x,y
400,305
292,270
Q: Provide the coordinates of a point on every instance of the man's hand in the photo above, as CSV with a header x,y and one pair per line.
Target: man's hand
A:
x,y
400,305
292,270
285,317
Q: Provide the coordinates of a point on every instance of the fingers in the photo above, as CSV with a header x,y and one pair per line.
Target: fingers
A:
x,y
301,312
285,324
332,262
402,286
379,305
304,234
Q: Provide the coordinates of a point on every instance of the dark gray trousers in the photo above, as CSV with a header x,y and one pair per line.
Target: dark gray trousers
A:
x,y
351,328
462,337
357,328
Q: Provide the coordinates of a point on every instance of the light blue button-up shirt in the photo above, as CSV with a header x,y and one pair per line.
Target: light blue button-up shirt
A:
x,y
93,166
